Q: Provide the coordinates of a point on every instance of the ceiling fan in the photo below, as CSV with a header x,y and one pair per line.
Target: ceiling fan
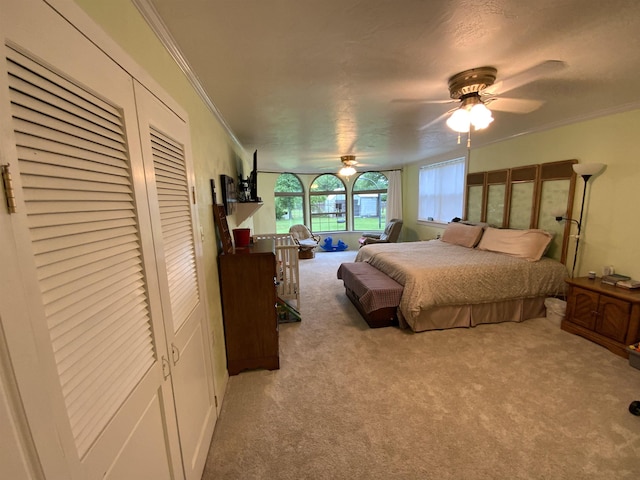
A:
x,y
348,165
477,88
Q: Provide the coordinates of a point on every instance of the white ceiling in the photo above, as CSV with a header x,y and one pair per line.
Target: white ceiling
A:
x,y
307,81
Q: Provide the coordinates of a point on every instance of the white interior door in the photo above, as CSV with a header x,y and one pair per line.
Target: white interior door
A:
x,y
167,155
82,317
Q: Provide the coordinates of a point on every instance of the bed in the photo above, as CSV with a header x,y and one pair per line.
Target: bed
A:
x,y
499,264
446,285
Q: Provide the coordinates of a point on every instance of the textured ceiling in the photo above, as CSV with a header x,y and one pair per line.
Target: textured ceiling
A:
x,y
307,81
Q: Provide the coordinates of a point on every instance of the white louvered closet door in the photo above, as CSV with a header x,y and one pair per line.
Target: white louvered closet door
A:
x,y
167,156
82,237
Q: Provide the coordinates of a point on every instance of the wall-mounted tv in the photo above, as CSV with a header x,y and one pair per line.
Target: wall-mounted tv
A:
x,y
253,180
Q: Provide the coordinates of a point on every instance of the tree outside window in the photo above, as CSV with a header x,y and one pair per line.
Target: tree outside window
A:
x,y
370,201
328,204
289,202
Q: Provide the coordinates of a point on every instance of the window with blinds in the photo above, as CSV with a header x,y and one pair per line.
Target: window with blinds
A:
x,y
177,229
76,179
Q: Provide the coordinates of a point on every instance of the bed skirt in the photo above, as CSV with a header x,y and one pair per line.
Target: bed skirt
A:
x,y
439,318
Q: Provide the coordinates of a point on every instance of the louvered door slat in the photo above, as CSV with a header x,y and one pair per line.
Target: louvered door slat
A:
x,y
31,110
68,230
54,132
90,352
85,278
64,94
96,284
77,274
53,261
177,228
81,212
67,243
92,163
167,163
48,170
53,219
82,384
62,322
177,224
40,150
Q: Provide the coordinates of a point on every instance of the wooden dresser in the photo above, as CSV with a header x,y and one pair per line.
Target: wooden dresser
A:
x,y
607,315
247,283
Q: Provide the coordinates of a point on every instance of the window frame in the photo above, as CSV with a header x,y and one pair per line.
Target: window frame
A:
x,y
454,162
379,192
301,194
330,192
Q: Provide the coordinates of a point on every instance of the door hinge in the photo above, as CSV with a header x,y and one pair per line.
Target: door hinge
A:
x,y
193,195
215,399
8,188
166,367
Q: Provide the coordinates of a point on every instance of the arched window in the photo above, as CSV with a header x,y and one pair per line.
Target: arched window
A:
x,y
370,201
289,202
328,204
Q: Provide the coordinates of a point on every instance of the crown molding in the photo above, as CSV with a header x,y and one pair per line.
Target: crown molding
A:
x,y
151,16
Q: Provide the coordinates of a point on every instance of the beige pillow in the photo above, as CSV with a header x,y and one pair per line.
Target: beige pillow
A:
x,y
461,234
529,244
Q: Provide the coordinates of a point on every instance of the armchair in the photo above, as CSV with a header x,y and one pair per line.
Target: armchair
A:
x,y
390,234
306,241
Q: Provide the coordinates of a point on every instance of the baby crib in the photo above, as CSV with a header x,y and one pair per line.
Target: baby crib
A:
x,y
287,267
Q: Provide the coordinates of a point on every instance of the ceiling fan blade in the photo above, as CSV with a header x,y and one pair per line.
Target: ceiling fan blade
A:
x,y
526,76
436,120
421,101
513,105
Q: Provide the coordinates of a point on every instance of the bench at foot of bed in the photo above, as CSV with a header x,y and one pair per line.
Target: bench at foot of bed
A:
x,y
374,294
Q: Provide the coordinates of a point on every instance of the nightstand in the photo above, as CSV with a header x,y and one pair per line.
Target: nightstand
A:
x,y
604,314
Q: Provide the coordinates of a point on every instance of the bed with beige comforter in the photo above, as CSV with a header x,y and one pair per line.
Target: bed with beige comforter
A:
x,y
447,285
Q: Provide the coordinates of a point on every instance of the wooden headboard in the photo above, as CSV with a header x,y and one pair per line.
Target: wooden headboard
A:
x,y
525,197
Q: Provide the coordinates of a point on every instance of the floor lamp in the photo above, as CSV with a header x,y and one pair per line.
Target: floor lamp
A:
x,y
586,171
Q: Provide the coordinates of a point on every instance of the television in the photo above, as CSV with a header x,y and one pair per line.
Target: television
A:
x,y
253,180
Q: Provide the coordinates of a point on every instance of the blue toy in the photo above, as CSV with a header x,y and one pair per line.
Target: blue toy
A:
x,y
328,245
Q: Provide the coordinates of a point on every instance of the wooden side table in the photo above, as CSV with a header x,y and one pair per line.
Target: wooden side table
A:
x,y
605,314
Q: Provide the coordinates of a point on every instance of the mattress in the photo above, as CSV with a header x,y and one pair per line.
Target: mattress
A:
x,y
436,274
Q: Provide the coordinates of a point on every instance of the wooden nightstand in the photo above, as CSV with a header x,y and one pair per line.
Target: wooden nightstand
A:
x,y
607,315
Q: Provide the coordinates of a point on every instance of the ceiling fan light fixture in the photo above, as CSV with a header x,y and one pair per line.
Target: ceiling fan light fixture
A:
x,y
460,120
347,171
480,116
471,112
348,162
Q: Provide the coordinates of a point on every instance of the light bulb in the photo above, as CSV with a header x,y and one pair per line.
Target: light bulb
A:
x,y
347,171
459,121
480,116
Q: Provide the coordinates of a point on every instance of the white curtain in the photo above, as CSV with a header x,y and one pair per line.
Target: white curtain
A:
x,y
394,195
441,189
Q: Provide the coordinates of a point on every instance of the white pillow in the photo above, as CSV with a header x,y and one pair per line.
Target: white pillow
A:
x,y
461,234
529,244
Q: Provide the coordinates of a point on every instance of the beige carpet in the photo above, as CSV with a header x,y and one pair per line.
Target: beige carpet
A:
x,y
503,401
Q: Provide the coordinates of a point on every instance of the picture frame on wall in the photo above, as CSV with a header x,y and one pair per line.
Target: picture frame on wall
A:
x,y
229,194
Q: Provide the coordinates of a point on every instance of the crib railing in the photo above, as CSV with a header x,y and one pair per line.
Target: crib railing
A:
x,y
288,274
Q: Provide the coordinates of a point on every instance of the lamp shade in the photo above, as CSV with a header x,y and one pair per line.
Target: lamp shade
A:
x,y
588,168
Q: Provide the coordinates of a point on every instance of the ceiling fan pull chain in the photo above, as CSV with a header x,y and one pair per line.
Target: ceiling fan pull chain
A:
x,y
469,139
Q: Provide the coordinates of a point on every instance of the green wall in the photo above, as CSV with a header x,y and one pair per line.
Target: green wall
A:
x,y
610,224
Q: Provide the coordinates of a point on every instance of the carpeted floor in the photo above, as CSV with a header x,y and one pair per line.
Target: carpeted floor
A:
x,y
503,401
